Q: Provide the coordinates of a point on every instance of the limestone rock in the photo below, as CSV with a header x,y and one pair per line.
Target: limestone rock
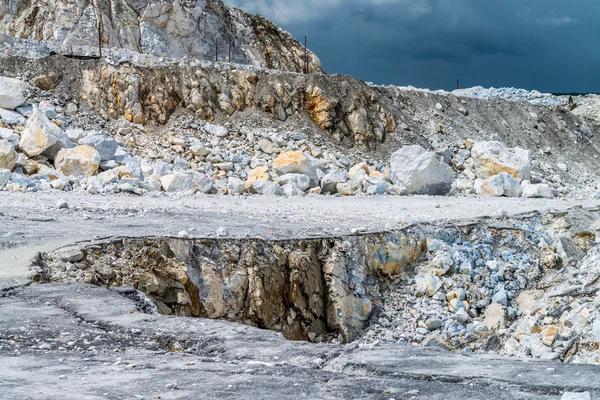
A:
x,y
12,93
10,137
501,185
527,300
301,181
330,181
260,173
420,171
295,162
39,134
357,168
174,29
78,161
291,189
492,158
4,177
538,191
236,186
549,335
10,117
495,316
217,130
433,323
428,284
8,156
47,82
176,182
267,188
105,145
345,189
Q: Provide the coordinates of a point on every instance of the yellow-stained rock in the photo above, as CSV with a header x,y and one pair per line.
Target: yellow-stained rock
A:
x,y
78,161
320,108
549,335
260,173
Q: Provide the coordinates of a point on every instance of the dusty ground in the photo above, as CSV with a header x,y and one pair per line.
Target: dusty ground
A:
x,y
78,341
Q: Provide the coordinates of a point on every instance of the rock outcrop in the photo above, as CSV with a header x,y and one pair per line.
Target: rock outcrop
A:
x,y
202,29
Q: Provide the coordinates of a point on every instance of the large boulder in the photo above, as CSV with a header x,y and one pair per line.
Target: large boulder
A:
x,y
501,185
296,162
78,161
217,130
176,182
39,135
8,155
10,137
105,145
492,158
12,93
421,171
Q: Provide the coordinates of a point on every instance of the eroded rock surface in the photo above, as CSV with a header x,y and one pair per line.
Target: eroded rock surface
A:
x,y
203,29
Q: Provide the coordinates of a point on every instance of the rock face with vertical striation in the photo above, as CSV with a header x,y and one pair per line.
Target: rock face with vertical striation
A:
x,y
202,29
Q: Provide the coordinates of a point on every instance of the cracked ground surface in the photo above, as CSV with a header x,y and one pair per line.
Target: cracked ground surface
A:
x,y
86,342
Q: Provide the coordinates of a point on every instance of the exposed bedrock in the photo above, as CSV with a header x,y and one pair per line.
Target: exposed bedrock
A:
x,y
304,289
202,29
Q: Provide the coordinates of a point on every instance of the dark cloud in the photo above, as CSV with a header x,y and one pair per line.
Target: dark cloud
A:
x,y
548,45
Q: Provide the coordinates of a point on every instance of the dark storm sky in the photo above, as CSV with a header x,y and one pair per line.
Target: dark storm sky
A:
x,y
548,45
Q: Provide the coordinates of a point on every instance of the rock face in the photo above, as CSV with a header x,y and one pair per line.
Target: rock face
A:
x,y
492,158
346,108
178,28
11,90
421,171
8,156
40,134
78,161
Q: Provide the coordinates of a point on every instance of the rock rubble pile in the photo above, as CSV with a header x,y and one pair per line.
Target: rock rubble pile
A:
x,y
41,149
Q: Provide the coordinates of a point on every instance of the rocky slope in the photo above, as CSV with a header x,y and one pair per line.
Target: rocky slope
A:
x,y
202,29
